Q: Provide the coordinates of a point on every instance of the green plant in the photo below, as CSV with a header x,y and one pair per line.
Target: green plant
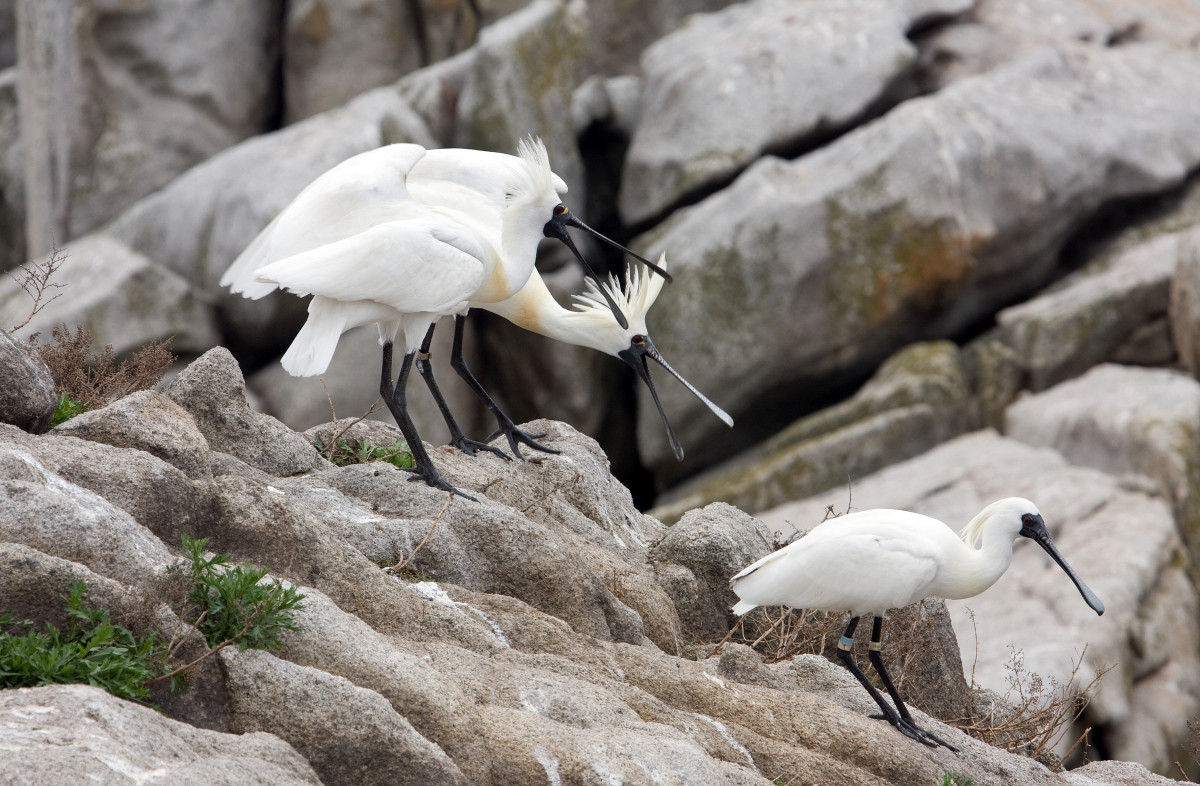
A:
x,y
91,651
67,408
950,779
360,451
232,605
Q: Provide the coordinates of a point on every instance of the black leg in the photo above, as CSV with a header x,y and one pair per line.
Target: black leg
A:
x,y
889,714
457,438
875,653
396,402
503,421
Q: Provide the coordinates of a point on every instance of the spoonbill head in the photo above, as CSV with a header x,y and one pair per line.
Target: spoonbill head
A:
x,y
874,560
590,324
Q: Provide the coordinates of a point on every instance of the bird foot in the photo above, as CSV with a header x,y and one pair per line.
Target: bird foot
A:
x,y
911,730
516,435
471,447
438,482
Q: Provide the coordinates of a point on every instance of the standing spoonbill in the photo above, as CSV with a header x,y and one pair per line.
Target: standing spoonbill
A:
x,y
369,252
875,560
589,324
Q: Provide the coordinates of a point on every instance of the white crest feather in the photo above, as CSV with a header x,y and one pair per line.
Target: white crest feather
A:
x,y
535,178
635,299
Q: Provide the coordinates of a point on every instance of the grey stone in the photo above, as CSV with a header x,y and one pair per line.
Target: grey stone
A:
x,y
333,641
1064,332
759,76
123,297
893,233
348,734
563,516
123,97
520,81
615,44
201,221
713,544
213,391
149,421
28,396
997,31
157,495
1122,420
1114,773
94,736
917,399
41,509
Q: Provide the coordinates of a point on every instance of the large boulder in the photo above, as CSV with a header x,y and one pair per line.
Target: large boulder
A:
x,y
42,509
1122,542
350,735
894,233
94,736
123,97
28,395
1061,334
695,559
1125,420
213,391
917,399
150,421
520,81
761,76
997,31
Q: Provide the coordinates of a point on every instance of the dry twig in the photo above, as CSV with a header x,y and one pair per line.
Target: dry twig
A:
x,y
35,280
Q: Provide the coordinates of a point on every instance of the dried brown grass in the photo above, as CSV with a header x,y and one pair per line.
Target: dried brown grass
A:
x,y
99,380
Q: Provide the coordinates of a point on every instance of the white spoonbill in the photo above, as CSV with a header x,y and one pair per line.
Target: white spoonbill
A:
x,y
874,560
369,252
589,324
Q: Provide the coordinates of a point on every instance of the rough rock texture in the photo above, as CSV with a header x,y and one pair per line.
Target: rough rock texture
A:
x,y
12,180
521,638
155,493
762,76
1068,330
1120,540
123,297
99,738
348,734
28,395
125,96
520,81
896,232
149,421
213,391
997,31
917,399
697,556
44,510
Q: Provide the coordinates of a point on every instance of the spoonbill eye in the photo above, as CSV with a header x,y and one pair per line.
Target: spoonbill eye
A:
x,y
1027,520
639,340
560,210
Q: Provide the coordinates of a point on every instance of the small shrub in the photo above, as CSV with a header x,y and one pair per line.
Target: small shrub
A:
x,y
67,408
91,651
232,606
93,382
360,451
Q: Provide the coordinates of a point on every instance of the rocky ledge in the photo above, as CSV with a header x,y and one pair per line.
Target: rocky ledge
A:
x,y
548,633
